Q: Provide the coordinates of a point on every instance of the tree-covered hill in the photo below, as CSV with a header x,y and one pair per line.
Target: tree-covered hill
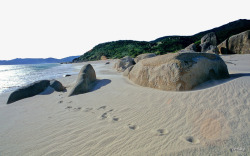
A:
x,y
163,45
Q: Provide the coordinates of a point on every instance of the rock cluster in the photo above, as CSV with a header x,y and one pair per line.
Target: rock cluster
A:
x,y
34,89
85,82
237,44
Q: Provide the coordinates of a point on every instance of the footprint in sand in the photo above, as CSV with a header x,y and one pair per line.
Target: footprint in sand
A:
x,y
133,127
88,109
68,107
60,102
106,114
102,107
162,132
190,139
115,118
77,109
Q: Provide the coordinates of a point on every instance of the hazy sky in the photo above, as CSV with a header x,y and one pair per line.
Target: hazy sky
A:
x,y
60,28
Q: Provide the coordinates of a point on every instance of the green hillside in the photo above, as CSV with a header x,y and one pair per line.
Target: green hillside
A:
x,y
163,45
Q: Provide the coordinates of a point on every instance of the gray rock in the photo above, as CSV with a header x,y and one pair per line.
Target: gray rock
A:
x,y
67,75
178,71
237,44
208,40
191,47
122,64
144,56
28,91
57,86
85,80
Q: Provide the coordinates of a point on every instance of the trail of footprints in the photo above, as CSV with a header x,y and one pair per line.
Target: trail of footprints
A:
x,y
108,114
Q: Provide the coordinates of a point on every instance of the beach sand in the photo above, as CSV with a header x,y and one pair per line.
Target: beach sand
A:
x,y
120,118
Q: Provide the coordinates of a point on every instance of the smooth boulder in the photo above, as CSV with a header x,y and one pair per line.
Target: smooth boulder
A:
x,y
144,56
208,41
85,80
236,44
178,71
122,64
57,85
28,91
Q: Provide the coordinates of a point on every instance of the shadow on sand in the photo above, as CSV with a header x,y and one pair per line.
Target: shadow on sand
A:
x,y
49,91
100,83
213,83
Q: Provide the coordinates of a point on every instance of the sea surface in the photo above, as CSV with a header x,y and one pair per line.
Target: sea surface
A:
x,y
14,76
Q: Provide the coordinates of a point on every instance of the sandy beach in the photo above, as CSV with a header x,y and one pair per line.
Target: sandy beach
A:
x,y
121,118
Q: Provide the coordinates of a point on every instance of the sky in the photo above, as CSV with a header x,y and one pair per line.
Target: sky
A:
x,y
61,28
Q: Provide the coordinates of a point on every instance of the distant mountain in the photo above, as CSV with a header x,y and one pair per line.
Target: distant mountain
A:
x,y
36,60
162,45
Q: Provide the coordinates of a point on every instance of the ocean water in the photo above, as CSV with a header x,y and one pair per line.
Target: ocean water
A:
x,y
15,76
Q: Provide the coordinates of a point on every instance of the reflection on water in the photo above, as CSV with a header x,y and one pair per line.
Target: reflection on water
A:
x,y
14,76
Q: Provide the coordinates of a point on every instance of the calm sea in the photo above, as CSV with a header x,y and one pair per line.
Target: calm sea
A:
x,y
15,76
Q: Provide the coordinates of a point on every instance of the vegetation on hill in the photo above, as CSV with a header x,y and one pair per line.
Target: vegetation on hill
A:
x,y
163,45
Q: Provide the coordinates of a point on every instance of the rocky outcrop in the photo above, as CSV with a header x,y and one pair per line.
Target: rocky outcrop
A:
x,y
57,86
208,41
85,80
28,91
178,71
144,56
237,44
122,64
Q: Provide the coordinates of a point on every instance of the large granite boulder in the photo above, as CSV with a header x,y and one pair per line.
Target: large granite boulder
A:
x,y
28,91
122,64
237,44
85,80
208,40
57,85
178,71
144,56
